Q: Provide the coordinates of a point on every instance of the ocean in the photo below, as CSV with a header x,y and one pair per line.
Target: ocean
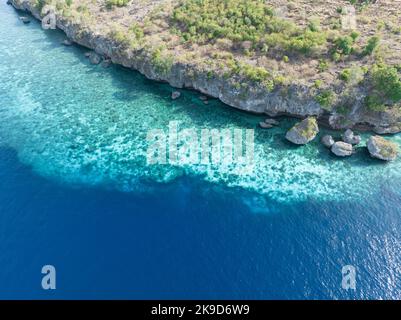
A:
x,y
76,192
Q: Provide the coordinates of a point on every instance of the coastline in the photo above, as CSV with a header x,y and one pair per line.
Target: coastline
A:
x,y
296,101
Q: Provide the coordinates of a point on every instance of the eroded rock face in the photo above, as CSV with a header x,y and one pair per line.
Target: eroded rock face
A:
x,y
328,141
342,149
382,149
351,138
303,132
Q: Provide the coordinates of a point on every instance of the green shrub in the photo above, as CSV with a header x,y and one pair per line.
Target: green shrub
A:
x,y
314,25
345,75
343,109
353,75
385,87
116,3
120,37
387,81
326,99
137,31
344,45
323,65
242,20
318,83
372,45
162,61
39,4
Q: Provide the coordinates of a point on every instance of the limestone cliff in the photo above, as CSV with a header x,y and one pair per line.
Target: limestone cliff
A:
x,y
143,35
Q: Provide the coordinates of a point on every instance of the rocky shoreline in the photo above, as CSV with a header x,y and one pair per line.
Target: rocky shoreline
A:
x,y
297,102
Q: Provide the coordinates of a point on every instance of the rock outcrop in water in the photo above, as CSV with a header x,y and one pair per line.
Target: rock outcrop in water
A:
x,y
351,138
25,20
175,95
67,42
382,149
342,149
303,132
94,58
248,76
328,141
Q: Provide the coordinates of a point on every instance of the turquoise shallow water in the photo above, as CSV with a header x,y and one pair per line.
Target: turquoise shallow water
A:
x,y
83,124
76,190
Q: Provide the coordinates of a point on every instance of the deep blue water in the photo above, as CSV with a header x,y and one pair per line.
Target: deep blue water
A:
x,y
187,237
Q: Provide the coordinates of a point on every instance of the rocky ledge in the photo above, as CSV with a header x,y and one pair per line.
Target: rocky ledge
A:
x,y
382,149
151,37
303,132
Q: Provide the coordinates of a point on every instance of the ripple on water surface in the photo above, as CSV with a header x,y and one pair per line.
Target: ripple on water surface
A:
x,y
83,124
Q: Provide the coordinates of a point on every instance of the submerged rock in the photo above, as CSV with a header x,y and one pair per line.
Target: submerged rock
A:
x,y
351,138
8,2
67,42
273,122
342,149
303,132
88,54
175,95
203,98
387,130
265,125
382,149
106,63
328,141
94,58
25,19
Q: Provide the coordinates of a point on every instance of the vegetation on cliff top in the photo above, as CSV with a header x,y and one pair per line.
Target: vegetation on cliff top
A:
x,y
244,20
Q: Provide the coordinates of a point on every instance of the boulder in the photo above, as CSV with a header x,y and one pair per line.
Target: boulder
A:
x,y
351,138
328,141
273,122
9,2
342,149
88,54
387,130
94,58
175,95
265,125
25,19
67,42
382,149
203,98
303,132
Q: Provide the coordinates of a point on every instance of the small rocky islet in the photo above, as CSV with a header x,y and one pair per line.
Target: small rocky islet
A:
x,y
307,130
